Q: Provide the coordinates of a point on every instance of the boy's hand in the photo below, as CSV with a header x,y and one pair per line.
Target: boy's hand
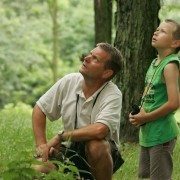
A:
x,y
137,119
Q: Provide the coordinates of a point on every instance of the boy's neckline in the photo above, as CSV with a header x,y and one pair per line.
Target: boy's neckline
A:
x,y
157,61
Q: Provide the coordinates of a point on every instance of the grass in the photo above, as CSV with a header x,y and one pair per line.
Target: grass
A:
x,y
177,116
17,146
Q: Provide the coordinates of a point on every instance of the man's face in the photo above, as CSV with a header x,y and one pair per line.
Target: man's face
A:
x,y
93,65
163,36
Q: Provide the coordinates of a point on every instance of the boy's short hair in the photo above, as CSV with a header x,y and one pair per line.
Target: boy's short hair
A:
x,y
176,33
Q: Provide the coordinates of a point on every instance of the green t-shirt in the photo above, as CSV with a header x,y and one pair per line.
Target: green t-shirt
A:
x,y
165,128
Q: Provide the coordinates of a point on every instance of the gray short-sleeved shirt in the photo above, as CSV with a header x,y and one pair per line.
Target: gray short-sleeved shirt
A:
x,y
60,101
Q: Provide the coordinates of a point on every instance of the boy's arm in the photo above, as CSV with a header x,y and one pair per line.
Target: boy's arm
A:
x,y
171,75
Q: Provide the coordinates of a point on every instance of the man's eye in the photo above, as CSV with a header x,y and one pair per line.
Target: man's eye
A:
x,y
95,59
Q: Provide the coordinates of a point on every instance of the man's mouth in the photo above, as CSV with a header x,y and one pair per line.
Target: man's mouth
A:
x,y
84,65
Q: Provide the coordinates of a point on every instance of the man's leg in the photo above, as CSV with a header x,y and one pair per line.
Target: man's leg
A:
x,y
78,157
98,154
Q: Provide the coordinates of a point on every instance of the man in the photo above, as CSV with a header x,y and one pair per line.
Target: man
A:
x,y
89,105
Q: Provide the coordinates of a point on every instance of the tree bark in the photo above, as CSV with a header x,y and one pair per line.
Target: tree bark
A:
x,y
103,20
135,23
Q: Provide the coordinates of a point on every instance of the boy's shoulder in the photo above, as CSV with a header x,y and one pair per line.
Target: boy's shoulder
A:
x,y
174,58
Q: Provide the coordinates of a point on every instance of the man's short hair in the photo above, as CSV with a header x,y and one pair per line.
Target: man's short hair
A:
x,y
116,58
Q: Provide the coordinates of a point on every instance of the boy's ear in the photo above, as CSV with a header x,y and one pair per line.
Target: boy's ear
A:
x,y
175,44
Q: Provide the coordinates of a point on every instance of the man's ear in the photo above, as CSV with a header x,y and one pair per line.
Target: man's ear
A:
x,y
175,44
107,73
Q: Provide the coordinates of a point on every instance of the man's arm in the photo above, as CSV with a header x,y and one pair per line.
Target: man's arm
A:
x,y
93,131
39,129
89,132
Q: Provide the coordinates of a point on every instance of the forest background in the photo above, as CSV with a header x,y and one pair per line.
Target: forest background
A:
x,y
27,69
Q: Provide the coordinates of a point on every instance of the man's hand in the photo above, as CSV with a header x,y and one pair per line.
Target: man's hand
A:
x,y
42,151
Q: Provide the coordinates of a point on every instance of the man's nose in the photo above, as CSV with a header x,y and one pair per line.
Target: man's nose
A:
x,y
87,58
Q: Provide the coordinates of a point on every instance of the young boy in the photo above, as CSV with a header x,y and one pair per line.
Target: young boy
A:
x,y
159,130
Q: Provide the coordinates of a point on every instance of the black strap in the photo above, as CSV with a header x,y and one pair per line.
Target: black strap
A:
x,y
77,99
75,123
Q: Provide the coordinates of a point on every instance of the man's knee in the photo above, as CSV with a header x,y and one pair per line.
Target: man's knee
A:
x,y
97,149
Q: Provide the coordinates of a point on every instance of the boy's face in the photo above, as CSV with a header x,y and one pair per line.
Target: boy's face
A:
x,y
163,36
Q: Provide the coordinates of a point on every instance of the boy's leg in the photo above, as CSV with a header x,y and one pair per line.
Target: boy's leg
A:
x,y
144,163
161,164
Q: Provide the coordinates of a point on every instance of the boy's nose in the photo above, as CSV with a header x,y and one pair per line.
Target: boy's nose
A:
x,y
156,33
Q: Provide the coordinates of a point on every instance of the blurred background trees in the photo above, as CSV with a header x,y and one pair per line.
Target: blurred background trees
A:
x,y
170,9
42,40
29,48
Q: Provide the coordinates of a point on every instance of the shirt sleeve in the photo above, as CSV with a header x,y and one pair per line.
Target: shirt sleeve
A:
x,y
50,102
110,112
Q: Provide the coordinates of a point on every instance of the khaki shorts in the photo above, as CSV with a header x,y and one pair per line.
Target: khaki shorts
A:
x,y
156,162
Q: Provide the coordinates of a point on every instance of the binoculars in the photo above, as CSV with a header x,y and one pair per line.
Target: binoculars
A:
x,y
135,109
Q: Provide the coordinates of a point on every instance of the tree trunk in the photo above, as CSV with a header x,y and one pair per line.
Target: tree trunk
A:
x,y
103,20
135,24
53,9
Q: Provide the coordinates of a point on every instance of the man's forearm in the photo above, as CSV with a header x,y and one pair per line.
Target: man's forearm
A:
x,y
39,126
54,141
93,131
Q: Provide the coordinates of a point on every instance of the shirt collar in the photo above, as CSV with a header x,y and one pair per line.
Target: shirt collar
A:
x,y
81,94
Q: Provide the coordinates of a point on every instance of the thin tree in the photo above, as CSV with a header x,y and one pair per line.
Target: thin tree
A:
x,y
53,10
103,20
135,23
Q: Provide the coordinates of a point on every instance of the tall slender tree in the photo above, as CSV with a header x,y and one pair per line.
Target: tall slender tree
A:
x,y
135,23
53,10
103,20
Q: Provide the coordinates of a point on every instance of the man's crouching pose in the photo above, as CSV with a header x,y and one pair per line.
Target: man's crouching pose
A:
x,y
89,105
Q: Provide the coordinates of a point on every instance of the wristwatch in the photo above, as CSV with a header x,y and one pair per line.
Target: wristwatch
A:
x,y
60,135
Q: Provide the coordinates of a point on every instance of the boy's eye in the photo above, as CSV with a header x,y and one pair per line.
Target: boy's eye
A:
x,y
157,29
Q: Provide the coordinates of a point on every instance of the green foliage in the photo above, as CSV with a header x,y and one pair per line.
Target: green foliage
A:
x,y
170,10
26,45
15,132
17,145
17,149
177,116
